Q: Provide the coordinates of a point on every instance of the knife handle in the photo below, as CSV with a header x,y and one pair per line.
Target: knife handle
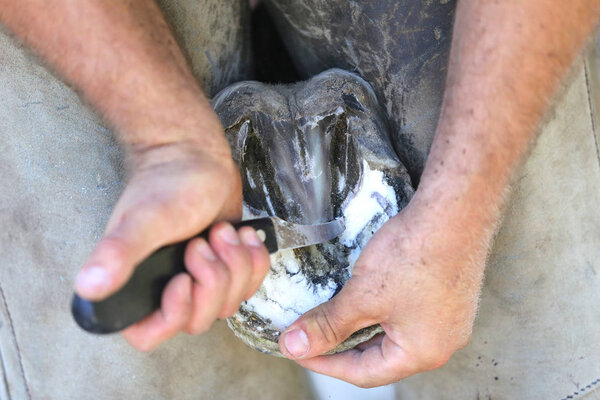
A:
x,y
142,294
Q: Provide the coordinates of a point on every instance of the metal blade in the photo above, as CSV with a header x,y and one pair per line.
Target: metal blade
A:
x,y
291,236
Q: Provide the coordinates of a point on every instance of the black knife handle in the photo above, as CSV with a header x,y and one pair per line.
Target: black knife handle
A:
x,y
142,294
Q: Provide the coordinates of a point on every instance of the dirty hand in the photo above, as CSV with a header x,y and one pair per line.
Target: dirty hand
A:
x,y
175,191
417,277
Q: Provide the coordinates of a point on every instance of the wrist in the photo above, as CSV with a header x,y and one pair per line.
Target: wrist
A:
x,y
180,153
469,168
449,243
455,210
183,119
466,205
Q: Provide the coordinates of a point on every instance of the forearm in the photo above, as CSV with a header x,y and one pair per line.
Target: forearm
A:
x,y
507,60
124,59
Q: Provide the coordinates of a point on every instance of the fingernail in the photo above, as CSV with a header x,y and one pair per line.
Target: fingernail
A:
x,y
229,235
93,278
250,238
205,251
296,343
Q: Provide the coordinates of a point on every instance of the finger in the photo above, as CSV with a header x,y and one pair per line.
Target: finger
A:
x,y
377,365
324,327
211,283
259,255
226,243
104,271
135,230
163,324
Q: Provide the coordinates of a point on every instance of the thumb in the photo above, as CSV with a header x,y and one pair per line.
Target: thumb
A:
x,y
327,325
114,258
134,231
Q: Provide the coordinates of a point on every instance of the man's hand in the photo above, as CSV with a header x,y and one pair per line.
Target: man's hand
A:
x,y
175,191
420,275
418,282
123,58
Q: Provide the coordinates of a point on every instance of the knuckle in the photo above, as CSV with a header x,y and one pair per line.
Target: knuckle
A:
x,y
252,289
436,350
364,383
223,276
441,360
113,248
209,277
262,260
150,208
438,354
229,311
250,294
435,358
238,260
214,277
464,340
327,321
